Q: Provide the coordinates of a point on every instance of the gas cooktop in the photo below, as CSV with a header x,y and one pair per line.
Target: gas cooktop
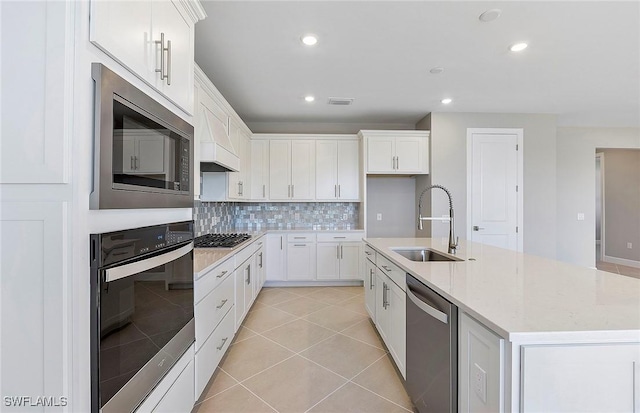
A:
x,y
220,240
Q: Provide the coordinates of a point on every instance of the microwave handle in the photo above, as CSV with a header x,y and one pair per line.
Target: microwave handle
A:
x,y
126,270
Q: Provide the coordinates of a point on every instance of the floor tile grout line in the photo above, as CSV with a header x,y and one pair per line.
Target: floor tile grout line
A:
x,y
327,396
237,383
379,395
259,398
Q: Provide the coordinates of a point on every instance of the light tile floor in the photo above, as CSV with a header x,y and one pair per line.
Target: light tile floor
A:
x,y
306,349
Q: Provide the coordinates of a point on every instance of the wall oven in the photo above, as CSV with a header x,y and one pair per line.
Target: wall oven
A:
x,y
142,311
143,151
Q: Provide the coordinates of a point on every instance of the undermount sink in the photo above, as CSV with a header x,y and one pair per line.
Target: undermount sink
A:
x,y
424,255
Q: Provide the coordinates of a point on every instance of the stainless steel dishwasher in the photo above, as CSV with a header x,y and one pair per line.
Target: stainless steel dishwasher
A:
x,y
432,349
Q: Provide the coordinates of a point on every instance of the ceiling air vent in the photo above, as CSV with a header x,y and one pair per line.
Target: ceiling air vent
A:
x,y
340,101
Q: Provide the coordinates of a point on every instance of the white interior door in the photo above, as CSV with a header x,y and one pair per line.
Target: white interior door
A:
x,y
496,187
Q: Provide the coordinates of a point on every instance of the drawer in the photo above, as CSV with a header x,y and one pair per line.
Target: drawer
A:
x,y
205,284
395,273
340,237
370,253
211,352
212,308
247,251
301,237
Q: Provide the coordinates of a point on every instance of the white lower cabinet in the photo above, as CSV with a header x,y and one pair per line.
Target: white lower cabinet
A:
x,y
338,256
212,350
370,283
276,254
480,367
301,258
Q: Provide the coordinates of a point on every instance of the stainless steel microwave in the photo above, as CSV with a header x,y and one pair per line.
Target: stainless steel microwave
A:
x,y
143,152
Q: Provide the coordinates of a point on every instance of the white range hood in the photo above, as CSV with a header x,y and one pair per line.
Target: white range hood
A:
x,y
216,151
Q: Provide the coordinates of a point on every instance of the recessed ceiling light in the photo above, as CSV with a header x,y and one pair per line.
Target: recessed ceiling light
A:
x,y
309,39
446,101
309,98
490,15
518,47
436,70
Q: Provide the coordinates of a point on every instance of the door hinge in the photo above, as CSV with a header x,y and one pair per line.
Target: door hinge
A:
x,y
516,230
516,146
516,188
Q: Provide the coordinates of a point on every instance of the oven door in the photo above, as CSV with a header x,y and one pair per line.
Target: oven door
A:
x,y
145,324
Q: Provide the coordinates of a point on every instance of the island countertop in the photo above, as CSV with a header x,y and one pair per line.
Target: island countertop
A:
x,y
524,297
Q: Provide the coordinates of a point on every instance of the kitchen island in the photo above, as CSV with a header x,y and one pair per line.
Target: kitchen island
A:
x,y
534,334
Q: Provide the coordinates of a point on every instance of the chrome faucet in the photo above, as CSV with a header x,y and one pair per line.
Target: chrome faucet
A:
x,y
453,241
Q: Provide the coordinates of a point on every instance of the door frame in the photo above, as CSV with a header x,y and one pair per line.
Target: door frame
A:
x,y
600,156
519,132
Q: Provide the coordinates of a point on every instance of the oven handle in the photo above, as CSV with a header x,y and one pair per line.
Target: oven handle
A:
x,y
126,270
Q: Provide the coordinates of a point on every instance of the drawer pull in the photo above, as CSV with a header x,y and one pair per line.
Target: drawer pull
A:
x,y
367,252
299,245
221,274
224,340
386,268
299,237
222,303
339,237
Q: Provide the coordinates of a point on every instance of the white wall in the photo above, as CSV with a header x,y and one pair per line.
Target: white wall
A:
x,y
576,149
449,168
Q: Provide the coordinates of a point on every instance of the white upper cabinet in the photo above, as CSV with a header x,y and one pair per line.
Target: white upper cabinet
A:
x,y
153,39
259,170
239,185
396,152
337,170
292,170
37,91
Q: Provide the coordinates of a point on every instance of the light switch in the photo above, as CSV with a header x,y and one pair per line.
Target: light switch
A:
x,y
379,216
580,216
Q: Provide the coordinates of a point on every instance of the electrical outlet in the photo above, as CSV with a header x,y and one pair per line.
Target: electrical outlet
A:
x,y
580,216
379,216
479,378
629,245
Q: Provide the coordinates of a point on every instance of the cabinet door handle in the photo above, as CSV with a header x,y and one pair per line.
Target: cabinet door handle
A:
x,y
264,191
341,252
221,274
224,340
163,49
132,165
260,255
288,191
339,196
222,303
248,280
397,162
384,295
136,162
335,191
371,278
280,242
337,252
293,191
168,62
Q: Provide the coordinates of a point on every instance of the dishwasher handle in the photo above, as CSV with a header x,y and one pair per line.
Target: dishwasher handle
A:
x,y
438,315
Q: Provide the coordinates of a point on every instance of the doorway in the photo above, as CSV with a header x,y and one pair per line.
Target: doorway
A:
x,y
495,187
599,206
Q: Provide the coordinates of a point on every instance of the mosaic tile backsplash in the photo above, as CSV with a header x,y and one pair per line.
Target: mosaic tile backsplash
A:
x,y
242,216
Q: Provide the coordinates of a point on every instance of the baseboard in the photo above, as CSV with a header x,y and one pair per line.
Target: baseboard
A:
x,y
333,283
621,261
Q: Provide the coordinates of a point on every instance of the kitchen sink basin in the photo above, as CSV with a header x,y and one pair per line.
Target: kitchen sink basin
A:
x,y
424,255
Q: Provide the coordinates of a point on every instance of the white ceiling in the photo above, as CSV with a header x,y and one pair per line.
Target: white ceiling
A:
x,y
582,63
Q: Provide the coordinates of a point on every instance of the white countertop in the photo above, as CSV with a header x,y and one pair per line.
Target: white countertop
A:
x,y
523,297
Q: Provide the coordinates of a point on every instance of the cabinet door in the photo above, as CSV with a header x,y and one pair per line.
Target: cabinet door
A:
x,y
301,261
303,170
328,259
409,154
275,257
380,153
122,29
180,397
167,17
240,277
382,314
370,282
397,326
259,169
127,147
37,91
234,178
350,256
279,170
348,171
326,170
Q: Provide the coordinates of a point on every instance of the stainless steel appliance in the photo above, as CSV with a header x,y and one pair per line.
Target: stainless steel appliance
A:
x,y
141,311
432,350
143,151
229,240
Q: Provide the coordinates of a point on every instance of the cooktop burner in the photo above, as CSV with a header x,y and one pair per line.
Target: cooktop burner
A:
x,y
220,240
